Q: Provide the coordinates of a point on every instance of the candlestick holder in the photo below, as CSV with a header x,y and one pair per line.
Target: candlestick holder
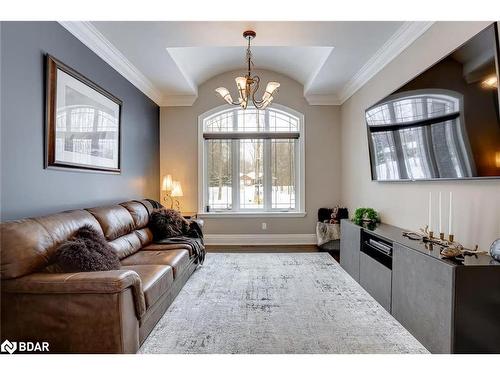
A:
x,y
449,248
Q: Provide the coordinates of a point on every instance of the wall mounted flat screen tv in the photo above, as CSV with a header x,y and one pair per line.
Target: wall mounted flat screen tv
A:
x,y
444,123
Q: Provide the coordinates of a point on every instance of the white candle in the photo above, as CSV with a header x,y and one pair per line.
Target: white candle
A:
x,y
450,226
430,211
440,215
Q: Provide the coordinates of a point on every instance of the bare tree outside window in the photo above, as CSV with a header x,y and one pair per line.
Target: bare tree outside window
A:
x,y
251,160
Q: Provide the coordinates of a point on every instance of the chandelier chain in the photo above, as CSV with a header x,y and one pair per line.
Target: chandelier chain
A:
x,y
249,57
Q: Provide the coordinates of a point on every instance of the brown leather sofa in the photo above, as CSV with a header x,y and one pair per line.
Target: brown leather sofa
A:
x,y
88,312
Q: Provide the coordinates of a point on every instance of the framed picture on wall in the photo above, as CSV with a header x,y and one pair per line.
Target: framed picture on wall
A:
x,y
83,122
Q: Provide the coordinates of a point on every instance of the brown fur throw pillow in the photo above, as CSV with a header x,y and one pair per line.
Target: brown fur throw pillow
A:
x,y
165,223
86,251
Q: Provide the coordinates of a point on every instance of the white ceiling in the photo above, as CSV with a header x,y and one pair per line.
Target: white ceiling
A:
x,y
169,60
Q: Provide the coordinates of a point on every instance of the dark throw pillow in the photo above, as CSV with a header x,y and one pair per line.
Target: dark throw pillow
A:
x,y
165,223
86,251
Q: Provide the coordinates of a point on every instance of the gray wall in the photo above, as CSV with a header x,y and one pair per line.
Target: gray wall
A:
x,y
27,189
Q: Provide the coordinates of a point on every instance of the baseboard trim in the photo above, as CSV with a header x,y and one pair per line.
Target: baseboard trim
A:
x,y
260,239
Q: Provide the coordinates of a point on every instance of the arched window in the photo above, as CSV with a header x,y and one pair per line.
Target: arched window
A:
x,y
251,161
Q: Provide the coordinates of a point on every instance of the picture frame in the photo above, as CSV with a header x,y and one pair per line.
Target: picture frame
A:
x,y
83,122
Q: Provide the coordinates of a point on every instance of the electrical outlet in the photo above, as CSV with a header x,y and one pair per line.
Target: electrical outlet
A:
x,y
264,226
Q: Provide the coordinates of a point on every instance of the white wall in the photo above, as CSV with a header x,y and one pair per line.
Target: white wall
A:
x,y
477,203
179,145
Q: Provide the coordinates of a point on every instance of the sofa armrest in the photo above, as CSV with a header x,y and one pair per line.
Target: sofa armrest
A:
x,y
196,225
200,222
102,282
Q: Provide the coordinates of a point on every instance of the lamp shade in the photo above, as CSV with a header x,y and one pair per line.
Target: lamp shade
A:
x,y
177,189
222,91
167,183
270,88
241,82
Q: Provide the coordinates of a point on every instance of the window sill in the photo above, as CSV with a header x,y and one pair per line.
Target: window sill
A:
x,y
250,214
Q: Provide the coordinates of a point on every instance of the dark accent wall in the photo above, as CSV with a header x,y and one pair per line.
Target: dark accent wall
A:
x,y
27,189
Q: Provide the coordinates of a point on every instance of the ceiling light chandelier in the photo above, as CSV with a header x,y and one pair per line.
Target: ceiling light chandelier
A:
x,y
249,85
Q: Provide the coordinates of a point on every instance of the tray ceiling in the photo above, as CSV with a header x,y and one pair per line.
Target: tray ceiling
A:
x,y
169,60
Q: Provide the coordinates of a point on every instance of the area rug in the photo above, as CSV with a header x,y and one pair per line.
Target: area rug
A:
x,y
276,303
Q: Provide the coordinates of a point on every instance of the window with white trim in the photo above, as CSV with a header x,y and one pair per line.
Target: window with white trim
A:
x,y
251,161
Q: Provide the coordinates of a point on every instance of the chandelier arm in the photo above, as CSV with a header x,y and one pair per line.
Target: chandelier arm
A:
x,y
234,103
256,102
257,83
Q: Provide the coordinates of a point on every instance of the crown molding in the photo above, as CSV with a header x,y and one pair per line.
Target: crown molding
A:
x,y
97,42
318,99
397,43
178,100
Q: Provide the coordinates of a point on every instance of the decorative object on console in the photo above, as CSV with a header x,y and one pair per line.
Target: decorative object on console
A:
x,y
430,231
365,215
86,251
449,248
83,122
249,85
495,249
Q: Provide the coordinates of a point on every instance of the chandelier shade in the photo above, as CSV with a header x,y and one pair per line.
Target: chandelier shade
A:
x,y
225,94
249,85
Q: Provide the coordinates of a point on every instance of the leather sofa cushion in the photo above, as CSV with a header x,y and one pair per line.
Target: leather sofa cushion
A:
x,y
177,259
115,221
145,235
148,205
27,245
126,245
139,213
156,280
24,246
161,246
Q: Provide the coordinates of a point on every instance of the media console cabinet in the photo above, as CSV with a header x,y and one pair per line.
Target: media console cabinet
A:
x,y
450,306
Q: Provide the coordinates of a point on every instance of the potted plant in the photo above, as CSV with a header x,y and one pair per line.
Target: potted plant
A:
x,y
365,215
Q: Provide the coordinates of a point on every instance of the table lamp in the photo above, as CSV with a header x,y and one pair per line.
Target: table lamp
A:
x,y
176,192
167,187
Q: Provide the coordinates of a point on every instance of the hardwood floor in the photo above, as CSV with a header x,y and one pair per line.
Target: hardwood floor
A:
x,y
261,248
266,249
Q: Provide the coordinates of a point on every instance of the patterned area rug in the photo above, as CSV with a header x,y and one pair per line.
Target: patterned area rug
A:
x,y
276,303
